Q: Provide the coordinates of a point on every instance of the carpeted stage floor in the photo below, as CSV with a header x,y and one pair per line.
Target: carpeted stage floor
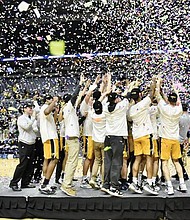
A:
x,y
91,204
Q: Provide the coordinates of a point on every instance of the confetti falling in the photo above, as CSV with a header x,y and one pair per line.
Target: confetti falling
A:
x,y
96,26
87,27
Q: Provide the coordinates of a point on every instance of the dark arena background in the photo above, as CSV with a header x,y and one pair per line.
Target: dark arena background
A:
x,y
131,39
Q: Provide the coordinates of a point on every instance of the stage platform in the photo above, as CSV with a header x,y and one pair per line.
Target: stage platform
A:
x,y
93,204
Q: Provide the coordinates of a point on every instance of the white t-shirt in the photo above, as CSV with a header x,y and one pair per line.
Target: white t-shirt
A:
x,y
71,121
169,119
47,125
87,126
116,122
139,113
99,127
153,118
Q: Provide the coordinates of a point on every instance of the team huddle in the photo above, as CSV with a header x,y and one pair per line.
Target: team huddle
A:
x,y
120,124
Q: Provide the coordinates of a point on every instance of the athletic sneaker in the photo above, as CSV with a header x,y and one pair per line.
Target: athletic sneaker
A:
x,y
85,184
68,190
182,187
93,184
170,190
104,189
149,189
53,187
115,192
156,187
124,186
135,188
47,190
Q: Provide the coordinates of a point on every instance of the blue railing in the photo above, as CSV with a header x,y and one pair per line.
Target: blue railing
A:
x,y
91,55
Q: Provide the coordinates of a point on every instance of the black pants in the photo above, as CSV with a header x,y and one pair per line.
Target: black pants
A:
x,y
23,170
113,160
38,159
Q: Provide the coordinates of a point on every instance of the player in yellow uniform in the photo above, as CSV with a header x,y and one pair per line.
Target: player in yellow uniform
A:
x,y
170,112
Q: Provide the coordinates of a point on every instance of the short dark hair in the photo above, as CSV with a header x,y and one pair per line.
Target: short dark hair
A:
x,y
112,97
28,104
67,97
172,97
47,97
135,94
97,107
96,95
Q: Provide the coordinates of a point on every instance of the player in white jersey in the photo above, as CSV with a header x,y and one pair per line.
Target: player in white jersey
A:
x,y
116,128
86,109
50,141
72,139
170,113
98,137
142,131
88,147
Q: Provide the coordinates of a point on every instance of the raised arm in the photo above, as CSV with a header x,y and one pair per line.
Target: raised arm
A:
x,y
103,85
152,88
157,90
108,88
82,93
51,107
91,89
77,90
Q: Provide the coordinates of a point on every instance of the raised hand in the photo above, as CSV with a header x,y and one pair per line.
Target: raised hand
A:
x,y
82,79
97,80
